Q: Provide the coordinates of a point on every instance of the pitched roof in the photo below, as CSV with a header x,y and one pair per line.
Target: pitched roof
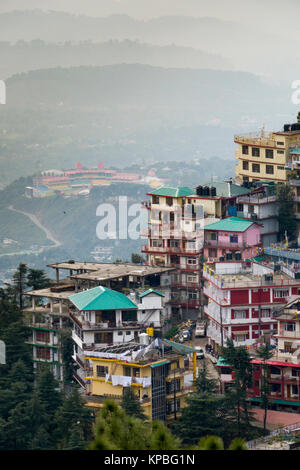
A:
x,y
168,191
230,224
101,298
151,291
222,189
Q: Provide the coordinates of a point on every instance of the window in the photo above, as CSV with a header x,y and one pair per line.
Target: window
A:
x,y
255,167
269,169
101,371
240,338
281,168
174,243
255,152
280,293
280,152
280,143
43,353
157,243
191,278
275,371
239,314
269,153
43,336
155,200
192,295
191,261
265,313
289,326
245,149
127,371
294,372
245,165
294,389
234,239
169,201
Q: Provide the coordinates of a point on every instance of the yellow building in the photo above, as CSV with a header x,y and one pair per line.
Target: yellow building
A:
x,y
266,156
159,373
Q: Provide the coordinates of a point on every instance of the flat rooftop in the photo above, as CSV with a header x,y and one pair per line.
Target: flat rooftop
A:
x,y
109,271
48,293
249,279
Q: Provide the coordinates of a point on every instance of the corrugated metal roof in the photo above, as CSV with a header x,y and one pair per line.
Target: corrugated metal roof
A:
x,y
230,224
168,191
224,189
101,298
179,348
151,291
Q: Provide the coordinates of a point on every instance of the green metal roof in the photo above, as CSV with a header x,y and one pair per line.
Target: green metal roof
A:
x,y
179,348
160,364
151,291
168,191
221,362
101,298
227,190
230,224
278,402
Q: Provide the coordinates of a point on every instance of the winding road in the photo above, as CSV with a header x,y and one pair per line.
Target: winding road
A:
x,y
36,221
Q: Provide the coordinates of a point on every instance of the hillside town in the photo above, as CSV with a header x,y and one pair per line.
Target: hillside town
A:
x,y
220,265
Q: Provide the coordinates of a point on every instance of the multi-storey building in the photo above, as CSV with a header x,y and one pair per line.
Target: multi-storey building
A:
x,y
231,239
160,374
242,298
266,156
174,239
102,317
51,309
261,205
283,369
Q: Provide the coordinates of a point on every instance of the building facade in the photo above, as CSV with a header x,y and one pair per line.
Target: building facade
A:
x,y
157,372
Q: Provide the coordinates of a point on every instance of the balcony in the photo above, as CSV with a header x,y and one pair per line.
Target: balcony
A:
x,y
223,244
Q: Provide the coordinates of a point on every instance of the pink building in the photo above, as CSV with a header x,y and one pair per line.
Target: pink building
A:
x,y
231,239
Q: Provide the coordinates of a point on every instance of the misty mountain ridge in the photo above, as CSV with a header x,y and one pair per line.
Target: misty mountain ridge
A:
x,y
248,47
34,55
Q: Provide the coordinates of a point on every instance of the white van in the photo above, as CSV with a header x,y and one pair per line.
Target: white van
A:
x,y
200,330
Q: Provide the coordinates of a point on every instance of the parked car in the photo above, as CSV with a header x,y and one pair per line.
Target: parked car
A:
x,y
186,335
200,330
199,352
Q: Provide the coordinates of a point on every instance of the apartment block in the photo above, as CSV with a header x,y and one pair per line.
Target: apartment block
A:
x,y
242,300
266,156
159,372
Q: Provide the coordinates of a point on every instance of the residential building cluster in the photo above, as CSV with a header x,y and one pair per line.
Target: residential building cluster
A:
x,y
212,253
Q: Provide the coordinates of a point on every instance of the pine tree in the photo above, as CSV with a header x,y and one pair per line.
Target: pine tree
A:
x,y
162,438
37,279
47,389
19,281
264,353
236,393
131,405
76,440
18,428
205,412
286,213
72,413
114,430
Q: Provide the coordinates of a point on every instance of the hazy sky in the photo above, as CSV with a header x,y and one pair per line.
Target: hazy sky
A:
x,y
276,16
